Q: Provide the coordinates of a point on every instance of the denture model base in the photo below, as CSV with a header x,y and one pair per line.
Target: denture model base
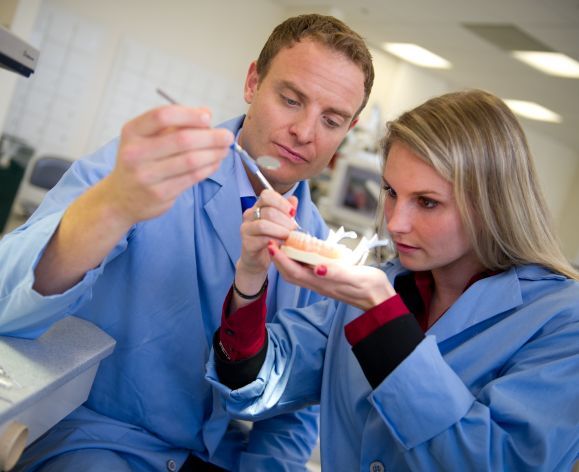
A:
x,y
308,249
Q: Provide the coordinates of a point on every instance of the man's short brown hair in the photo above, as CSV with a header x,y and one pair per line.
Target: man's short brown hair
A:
x,y
325,30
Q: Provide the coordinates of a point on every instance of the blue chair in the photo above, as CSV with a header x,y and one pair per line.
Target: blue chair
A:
x,y
42,173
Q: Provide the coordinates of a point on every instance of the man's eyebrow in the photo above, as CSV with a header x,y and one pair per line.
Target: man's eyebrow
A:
x,y
342,113
303,98
289,85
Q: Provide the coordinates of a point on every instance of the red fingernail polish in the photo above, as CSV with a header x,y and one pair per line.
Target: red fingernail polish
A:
x,y
292,212
321,270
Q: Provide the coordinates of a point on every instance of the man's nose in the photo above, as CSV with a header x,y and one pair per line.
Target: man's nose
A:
x,y
304,128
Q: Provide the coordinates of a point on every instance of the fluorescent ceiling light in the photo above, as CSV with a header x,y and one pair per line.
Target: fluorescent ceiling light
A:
x,y
533,111
552,63
417,55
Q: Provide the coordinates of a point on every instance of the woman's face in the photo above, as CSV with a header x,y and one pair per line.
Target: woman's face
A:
x,y
423,218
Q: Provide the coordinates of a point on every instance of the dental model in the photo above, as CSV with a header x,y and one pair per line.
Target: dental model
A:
x,y
305,248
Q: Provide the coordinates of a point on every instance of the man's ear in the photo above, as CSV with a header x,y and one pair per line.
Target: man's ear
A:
x,y
353,123
251,83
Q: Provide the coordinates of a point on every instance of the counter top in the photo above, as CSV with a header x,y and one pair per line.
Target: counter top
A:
x,y
43,380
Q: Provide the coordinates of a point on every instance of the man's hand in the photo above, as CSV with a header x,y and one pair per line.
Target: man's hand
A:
x,y
275,223
161,154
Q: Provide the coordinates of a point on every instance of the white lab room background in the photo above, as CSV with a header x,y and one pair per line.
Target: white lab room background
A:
x,y
101,63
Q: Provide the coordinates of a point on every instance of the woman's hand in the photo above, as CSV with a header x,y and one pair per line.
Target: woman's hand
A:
x,y
361,286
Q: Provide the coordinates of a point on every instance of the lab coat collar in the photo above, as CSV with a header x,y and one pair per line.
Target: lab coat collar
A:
x,y
483,299
224,208
226,172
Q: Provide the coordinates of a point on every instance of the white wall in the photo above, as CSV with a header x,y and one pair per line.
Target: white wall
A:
x,y
569,222
558,169
557,166
224,36
21,22
219,36
400,86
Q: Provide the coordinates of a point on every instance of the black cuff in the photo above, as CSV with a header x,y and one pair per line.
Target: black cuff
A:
x,y
237,374
383,350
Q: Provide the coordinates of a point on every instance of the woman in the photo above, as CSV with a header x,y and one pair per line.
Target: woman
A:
x,y
463,352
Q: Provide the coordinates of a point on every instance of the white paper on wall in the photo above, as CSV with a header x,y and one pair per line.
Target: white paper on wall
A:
x,y
139,70
45,107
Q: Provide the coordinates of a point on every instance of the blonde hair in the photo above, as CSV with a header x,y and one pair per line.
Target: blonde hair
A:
x,y
474,141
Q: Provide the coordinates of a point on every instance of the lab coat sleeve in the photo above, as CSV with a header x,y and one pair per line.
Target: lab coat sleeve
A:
x,y
282,443
290,377
285,442
508,425
23,311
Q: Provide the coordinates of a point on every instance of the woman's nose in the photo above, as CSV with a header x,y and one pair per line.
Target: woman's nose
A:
x,y
398,219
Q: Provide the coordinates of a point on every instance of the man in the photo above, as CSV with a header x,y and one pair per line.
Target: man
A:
x,y
141,239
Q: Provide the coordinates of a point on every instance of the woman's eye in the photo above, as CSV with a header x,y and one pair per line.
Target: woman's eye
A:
x,y
389,190
428,202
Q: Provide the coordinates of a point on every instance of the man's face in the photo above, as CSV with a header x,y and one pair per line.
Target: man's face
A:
x,y
301,110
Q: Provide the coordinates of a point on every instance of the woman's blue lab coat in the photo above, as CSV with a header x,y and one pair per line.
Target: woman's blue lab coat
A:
x,y
159,294
493,386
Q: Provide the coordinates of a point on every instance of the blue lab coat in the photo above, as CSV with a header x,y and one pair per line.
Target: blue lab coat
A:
x,y
493,386
159,294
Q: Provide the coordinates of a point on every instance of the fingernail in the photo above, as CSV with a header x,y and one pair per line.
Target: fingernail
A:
x,y
206,118
292,212
321,270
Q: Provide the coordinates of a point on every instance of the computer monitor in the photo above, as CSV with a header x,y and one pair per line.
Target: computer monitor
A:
x,y
353,198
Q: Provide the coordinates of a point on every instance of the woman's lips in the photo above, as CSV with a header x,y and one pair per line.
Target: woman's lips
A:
x,y
289,154
405,248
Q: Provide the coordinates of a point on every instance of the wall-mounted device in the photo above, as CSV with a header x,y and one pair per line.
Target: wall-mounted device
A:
x,y
17,55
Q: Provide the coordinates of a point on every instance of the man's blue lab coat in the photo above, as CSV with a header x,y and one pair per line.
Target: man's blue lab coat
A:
x,y
159,294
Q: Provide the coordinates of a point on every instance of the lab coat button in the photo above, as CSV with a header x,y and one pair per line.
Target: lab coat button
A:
x,y
376,466
171,465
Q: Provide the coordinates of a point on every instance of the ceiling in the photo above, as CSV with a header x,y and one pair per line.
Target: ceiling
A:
x,y
438,26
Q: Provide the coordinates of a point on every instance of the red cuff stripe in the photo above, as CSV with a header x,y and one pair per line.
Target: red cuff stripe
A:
x,y
242,334
378,316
